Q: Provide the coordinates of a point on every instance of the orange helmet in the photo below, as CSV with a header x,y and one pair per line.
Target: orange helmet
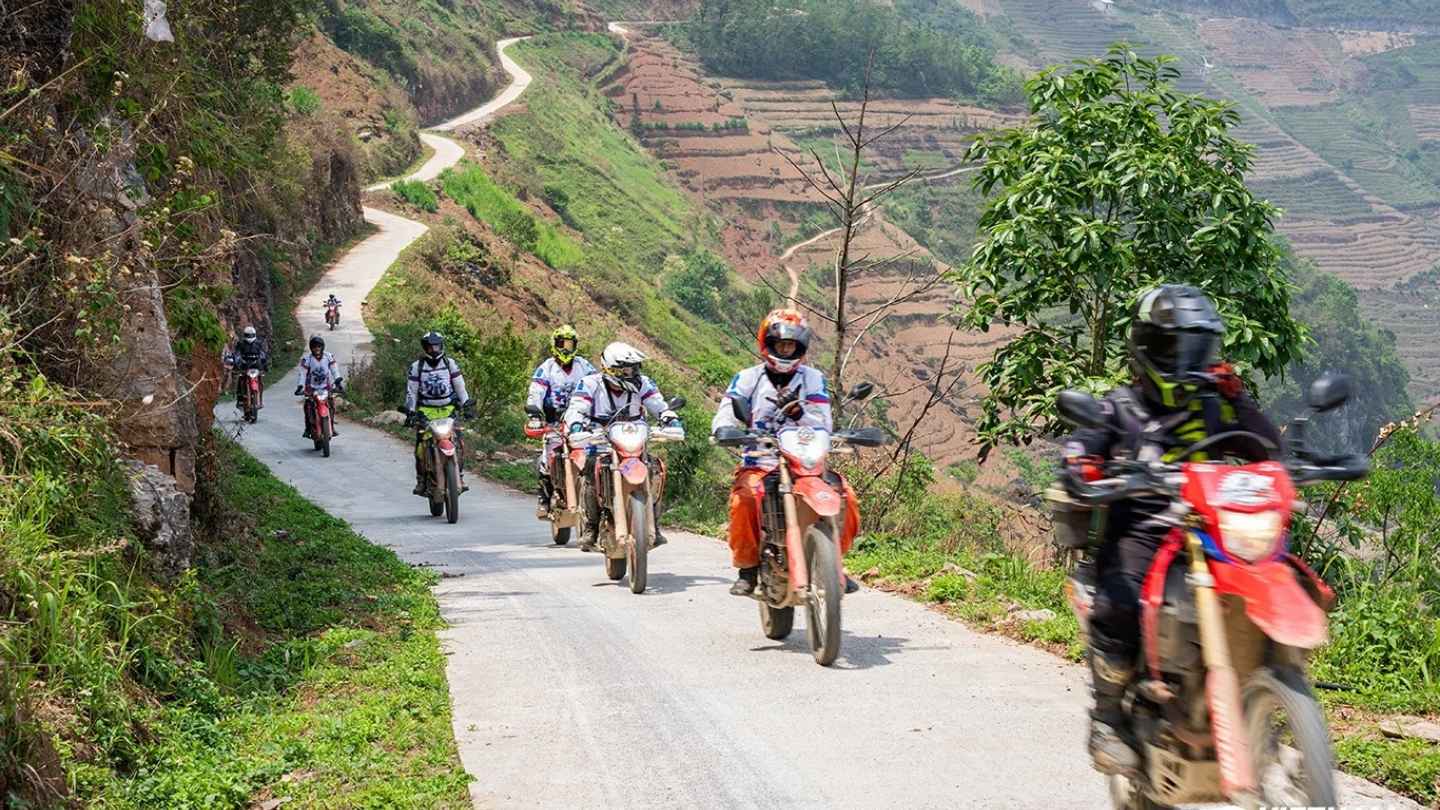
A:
x,y
783,324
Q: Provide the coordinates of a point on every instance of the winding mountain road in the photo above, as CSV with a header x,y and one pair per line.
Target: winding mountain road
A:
x,y
570,692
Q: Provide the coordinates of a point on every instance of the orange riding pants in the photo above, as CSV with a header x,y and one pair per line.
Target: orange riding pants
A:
x,y
745,497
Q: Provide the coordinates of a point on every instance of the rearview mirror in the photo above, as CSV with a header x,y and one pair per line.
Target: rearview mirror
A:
x,y
861,391
741,409
1329,392
867,437
676,403
1081,409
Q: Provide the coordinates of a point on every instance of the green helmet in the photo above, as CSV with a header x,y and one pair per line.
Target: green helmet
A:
x,y
564,342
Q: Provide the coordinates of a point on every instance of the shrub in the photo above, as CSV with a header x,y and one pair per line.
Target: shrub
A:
x,y
417,193
303,101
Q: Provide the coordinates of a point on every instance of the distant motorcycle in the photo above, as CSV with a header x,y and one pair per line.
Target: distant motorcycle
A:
x,y
321,418
1223,711
565,465
626,483
332,315
248,391
800,524
439,453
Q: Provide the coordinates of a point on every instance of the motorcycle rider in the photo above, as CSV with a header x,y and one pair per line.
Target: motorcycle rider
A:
x,y
249,352
434,381
332,301
318,372
550,388
618,391
783,339
1181,394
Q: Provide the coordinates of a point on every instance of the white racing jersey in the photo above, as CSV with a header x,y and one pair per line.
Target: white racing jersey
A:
x,y
551,386
318,374
753,385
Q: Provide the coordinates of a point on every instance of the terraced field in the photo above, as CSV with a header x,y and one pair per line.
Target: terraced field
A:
x,y
726,142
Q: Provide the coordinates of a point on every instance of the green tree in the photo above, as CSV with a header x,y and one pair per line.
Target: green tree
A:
x,y
1118,183
699,282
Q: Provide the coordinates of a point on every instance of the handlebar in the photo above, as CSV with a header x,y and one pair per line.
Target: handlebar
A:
x,y
1127,479
769,440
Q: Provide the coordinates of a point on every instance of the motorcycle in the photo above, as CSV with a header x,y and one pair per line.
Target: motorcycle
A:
x,y
248,391
320,417
801,516
439,453
565,465
1223,711
332,315
625,487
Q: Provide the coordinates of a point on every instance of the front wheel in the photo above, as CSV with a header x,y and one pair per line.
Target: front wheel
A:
x,y
639,549
326,429
776,622
822,598
560,536
1289,741
452,490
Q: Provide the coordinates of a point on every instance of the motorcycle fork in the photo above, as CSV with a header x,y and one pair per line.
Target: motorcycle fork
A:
x,y
571,501
619,503
1222,683
794,539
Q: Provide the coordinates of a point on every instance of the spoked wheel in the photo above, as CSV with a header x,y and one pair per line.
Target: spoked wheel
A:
x,y
639,550
776,622
452,490
822,598
1289,741
1126,794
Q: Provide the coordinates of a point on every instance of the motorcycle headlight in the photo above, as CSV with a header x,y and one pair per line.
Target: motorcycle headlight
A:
x,y
1251,536
322,394
442,427
254,372
807,446
629,437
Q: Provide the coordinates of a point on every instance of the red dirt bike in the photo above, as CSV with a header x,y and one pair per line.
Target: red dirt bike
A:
x,y
248,390
565,467
627,482
1223,710
320,415
332,315
800,520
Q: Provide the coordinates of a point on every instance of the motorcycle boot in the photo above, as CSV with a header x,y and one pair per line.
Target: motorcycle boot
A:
x,y
420,480
1109,743
542,506
746,581
589,536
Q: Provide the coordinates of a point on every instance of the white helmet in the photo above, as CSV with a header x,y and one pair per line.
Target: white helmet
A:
x,y
621,363
249,334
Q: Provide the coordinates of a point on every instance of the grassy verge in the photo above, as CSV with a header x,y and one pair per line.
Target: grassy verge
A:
x,y
294,660
332,692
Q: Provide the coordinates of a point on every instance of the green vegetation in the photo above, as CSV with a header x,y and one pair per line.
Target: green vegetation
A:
x,y
470,186
1411,767
921,47
1342,340
417,193
294,648
950,549
303,100
1092,204
1383,14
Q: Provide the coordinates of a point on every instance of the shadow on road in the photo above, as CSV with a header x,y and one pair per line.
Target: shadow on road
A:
x,y
661,582
856,652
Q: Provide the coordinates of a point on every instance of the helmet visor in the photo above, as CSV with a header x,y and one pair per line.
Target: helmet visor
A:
x,y
1185,352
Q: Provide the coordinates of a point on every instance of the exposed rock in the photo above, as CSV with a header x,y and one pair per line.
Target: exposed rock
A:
x,y
952,568
1411,728
1041,615
387,418
161,515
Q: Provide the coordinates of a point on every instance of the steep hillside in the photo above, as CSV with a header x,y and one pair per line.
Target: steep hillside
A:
x,y
1341,116
727,140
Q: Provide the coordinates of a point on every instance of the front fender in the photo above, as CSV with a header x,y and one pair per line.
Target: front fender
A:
x,y
634,471
446,446
1275,601
818,495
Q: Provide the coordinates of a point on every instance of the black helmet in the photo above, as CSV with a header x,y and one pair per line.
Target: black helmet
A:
x,y
317,342
1174,340
433,340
